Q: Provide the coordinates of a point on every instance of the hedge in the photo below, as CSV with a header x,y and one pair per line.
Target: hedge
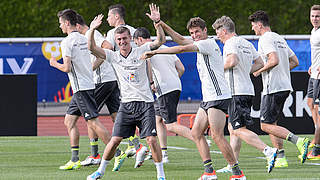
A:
x,y
37,18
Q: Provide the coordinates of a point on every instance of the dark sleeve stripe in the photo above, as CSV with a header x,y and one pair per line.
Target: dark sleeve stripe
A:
x,y
75,78
212,75
231,80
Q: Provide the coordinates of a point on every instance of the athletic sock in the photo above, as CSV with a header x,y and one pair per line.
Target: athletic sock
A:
x,y
103,165
316,150
267,151
280,153
164,151
94,147
75,153
208,166
160,171
235,169
118,152
292,138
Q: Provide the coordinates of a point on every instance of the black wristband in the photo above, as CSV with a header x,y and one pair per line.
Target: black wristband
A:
x,y
151,82
156,22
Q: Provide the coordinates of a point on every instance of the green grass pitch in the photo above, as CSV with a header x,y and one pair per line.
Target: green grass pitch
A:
x,y
33,158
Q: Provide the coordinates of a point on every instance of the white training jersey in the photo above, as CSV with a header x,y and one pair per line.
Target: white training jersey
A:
x,y
278,78
315,53
75,46
238,77
211,71
165,74
111,40
132,74
104,73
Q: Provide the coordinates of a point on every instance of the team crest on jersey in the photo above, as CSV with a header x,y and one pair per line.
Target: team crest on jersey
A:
x,y
132,77
51,49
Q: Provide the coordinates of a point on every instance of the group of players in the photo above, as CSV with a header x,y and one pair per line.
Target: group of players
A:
x,y
148,67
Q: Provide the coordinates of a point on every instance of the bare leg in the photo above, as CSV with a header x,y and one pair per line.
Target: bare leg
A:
x,y
155,148
99,129
199,126
315,114
250,138
235,142
70,122
180,130
217,120
111,147
161,132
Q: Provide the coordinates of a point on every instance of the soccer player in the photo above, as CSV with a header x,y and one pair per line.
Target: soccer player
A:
x,y
278,60
314,81
76,58
167,70
238,55
116,18
215,91
136,107
106,92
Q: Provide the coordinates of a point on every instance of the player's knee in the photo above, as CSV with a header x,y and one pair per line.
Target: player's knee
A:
x,y
151,140
196,135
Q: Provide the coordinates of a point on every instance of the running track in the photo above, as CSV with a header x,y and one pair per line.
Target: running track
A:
x,y
53,126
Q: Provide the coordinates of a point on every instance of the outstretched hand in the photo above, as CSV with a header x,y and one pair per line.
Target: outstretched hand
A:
x,y
155,13
147,55
96,22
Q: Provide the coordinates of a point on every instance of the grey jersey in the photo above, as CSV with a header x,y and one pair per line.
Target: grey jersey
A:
x,y
132,74
75,46
238,77
278,78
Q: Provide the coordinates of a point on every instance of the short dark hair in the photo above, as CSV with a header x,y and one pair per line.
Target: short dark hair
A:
x,y
121,30
141,32
69,15
259,16
80,20
315,7
118,9
196,22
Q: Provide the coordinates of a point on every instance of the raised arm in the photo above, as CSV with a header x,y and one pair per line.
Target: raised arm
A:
x,y
161,38
95,50
171,50
155,17
176,37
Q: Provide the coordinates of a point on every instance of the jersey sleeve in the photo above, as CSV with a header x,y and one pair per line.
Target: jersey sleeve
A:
x,y
66,48
255,54
291,53
110,55
205,46
230,48
267,45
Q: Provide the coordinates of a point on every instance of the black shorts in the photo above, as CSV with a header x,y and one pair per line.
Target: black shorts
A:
x,y
314,90
107,93
166,106
83,103
272,106
239,111
218,104
132,114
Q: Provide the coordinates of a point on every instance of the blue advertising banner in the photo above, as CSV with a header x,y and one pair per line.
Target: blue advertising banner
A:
x,y
53,85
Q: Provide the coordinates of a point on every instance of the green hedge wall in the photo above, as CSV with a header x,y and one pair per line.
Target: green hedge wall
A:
x,y
37,18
